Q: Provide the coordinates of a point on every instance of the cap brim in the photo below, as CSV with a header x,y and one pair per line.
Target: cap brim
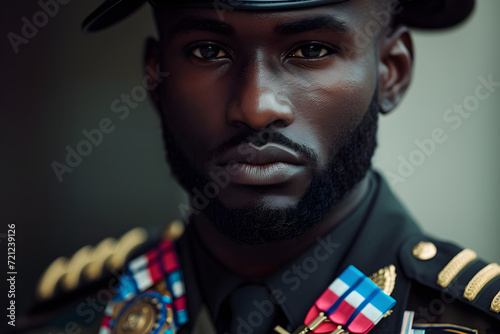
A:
x,y
430,14
436,14
109,13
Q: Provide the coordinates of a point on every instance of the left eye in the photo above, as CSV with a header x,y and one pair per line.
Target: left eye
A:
x,y
207,52
311,51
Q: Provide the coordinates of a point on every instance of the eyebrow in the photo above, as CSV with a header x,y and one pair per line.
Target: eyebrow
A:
x,y
189,24
309,24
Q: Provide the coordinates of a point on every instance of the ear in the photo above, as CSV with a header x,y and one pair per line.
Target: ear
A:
x,y
395,67
152,70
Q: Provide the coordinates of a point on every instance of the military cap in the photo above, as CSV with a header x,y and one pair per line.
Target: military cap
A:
x,y
425,14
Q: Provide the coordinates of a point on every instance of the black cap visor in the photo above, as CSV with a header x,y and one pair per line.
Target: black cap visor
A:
x,y
424,14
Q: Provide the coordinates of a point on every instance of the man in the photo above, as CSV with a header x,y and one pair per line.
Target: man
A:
x,y
269,116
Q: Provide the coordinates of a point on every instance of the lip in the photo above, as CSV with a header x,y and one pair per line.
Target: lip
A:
x,y
260,155
261,165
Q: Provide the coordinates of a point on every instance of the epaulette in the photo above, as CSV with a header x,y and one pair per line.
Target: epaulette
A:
x,y
455,272
92,267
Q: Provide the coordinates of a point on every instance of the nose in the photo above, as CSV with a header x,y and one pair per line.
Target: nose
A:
x,y
259,99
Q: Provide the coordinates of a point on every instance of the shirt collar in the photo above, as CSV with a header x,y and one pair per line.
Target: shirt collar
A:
x,y
216,281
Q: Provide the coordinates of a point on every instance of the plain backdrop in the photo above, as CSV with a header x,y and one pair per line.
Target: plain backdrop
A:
x,y
63,82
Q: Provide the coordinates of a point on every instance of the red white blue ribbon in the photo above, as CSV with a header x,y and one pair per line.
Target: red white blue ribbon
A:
x,y
141,274
352,301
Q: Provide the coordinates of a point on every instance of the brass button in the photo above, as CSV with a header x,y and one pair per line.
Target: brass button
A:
x,y
173,231
424,250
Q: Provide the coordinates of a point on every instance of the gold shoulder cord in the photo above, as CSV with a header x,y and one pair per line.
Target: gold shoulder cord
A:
x,y
495,303
478,282
91,261
451,270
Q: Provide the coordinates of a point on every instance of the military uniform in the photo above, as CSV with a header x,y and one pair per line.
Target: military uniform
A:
x,y
440,282
433,282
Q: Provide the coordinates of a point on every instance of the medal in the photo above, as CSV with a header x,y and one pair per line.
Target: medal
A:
x,y
150,296
353,303
147,313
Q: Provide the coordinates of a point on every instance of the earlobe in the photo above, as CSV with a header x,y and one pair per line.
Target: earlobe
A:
x,y
152,70
395,67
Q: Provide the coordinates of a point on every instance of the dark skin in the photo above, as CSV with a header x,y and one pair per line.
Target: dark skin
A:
x,y
257,71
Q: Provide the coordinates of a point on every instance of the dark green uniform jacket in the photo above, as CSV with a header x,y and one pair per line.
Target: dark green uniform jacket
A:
x,y
378,234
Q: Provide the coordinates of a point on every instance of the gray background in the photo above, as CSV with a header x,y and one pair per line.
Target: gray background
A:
x,y
63,82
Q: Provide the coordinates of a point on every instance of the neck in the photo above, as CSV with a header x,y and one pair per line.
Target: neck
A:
x,y
254,261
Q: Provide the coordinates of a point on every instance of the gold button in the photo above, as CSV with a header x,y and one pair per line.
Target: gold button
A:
x,y
424,250
173,231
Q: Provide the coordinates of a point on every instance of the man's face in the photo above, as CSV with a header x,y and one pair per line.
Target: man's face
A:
x,y
264,103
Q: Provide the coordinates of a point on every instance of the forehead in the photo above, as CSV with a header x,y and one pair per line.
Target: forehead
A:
x,y
345,16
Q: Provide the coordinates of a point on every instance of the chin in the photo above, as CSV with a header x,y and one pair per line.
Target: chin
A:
x,y
260,198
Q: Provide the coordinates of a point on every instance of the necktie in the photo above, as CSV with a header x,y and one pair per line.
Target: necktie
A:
x,y
249,310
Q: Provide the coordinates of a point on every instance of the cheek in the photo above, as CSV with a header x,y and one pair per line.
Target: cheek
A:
x,y
335,103
191,108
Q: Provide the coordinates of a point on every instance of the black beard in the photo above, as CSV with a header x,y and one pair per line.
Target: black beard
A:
x,y
260,225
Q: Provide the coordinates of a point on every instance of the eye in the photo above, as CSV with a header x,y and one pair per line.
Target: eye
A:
x,y
208,52
311,50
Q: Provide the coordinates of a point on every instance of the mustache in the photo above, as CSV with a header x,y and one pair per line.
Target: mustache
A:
x,y
262,138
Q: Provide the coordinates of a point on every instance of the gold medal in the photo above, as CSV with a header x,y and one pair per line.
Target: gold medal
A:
x,y
138,318
145,314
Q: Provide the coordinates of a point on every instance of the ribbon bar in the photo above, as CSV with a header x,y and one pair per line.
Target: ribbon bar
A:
x,y
352,303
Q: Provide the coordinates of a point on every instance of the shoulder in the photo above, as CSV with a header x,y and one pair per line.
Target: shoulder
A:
x,y
451,284
73,292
